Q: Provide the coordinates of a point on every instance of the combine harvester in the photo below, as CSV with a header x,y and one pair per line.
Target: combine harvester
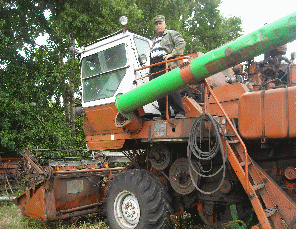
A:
x,y
233,154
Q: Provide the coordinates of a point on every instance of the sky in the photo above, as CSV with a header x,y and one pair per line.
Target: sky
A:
x,y
256,13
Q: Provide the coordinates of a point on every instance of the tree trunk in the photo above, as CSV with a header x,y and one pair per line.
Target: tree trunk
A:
x,y
71,91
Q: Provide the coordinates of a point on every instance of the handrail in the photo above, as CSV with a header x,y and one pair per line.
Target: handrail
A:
x,y
151,74
162,62
234,130
166,69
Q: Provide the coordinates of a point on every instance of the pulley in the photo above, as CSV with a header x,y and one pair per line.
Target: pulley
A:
x,y
160,157
179,176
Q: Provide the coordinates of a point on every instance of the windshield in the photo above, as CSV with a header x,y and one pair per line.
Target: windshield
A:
x,y
103,72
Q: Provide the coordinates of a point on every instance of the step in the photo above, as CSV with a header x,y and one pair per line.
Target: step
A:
x,y
243,163
233,141
269,211
258,186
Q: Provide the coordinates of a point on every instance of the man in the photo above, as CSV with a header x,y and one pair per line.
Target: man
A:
x,y
168,44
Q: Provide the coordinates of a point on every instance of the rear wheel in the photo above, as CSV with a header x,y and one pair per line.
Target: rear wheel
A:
x,y
137,199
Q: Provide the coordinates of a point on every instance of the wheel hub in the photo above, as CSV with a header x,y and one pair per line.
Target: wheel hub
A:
x,y
130,208
179,176
127,210
160,157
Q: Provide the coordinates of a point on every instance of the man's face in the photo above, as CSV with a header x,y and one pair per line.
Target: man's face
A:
x,y
160,27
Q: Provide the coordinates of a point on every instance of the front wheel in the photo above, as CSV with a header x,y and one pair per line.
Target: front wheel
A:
x,y
137,199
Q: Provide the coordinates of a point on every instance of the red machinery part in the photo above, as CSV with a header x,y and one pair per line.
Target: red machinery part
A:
x,y
261,113
290,173
66,194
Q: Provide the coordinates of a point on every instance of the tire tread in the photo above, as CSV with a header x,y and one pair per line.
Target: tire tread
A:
x,y
156,200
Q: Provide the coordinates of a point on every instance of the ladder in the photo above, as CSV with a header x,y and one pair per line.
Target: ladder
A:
x,y
271,204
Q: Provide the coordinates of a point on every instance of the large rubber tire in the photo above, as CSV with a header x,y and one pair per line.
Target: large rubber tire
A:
x,y
137,199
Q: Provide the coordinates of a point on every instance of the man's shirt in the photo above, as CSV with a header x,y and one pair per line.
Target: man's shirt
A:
x,y
157,51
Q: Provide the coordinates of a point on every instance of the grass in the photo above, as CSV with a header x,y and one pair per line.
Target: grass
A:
x,y
11,217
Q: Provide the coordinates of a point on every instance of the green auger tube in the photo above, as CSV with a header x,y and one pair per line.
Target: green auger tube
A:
x,y
244,48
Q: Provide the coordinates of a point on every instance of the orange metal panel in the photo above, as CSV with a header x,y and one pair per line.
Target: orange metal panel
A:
x,y
228,96
31,203
231,108
101,120
250,115
228,92
192,108
103,145
180,128
268,114
160,129
76,190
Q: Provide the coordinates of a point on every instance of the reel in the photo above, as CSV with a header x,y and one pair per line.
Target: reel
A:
x,y
160,157
179,176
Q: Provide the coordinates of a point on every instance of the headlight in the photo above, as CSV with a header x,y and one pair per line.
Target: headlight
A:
x,y
123,20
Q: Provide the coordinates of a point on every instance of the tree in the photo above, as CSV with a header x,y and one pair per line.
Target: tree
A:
x,y
206,29
20,23
175,11
199,21
34,81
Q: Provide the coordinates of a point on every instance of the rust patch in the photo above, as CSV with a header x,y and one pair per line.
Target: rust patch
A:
x,y
276,33
228,51
236,57
186,75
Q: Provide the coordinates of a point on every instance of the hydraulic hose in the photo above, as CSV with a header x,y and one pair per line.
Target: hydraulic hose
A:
x,y
201,156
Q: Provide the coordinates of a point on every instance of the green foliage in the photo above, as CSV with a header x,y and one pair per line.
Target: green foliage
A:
x,y
199,21
206,29
174,11
26,125
89,20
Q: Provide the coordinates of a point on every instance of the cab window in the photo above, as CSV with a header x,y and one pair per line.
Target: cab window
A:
x,y
103,72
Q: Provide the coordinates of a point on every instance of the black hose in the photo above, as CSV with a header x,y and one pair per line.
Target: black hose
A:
x,y
193,149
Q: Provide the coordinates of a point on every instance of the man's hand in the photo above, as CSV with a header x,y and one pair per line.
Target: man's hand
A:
x,y
166,57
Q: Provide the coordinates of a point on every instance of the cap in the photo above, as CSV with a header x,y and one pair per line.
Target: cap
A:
x,y
159,18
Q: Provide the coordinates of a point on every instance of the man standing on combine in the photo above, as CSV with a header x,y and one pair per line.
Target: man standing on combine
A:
x,y
167,44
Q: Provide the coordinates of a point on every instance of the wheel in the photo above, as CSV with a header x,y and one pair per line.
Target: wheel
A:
x,y
160,157
179,176
137,199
